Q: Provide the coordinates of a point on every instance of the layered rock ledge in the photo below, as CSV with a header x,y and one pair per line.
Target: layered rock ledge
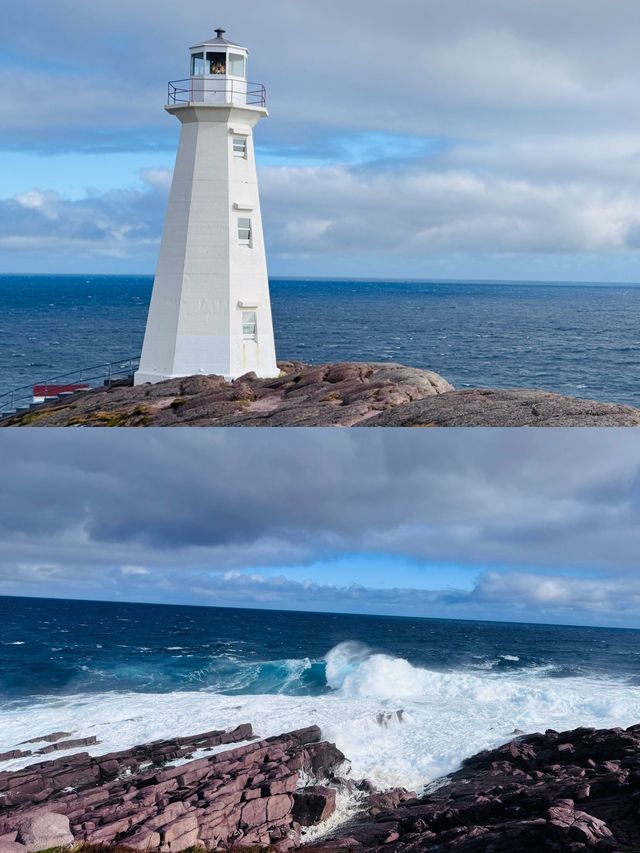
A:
x,y
239,791
345,394
542,793
569,792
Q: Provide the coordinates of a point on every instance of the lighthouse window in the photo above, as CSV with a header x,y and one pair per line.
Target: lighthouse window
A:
x,y
240,146
236,65
217,63
244,231
197,64
249,326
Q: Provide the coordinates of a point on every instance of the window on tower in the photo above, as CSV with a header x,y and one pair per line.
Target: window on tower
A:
x,y
244,231
249,326
236,65
217,63
197,64
240,146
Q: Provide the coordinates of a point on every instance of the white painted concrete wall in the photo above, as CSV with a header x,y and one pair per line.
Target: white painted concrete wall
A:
x,y
204,276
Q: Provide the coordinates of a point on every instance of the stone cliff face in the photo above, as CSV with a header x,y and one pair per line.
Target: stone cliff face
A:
x,y
154,797
350,394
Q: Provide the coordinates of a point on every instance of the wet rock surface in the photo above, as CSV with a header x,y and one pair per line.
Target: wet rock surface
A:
x,y
160,796
572,791
344,394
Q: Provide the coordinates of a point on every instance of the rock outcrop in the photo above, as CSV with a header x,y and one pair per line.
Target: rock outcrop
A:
x,y
160,796
44,830
326,395
313,804
349,394
480,407
570,792
554,792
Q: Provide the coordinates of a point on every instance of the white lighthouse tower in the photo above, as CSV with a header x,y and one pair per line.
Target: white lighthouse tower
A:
x,y
210,310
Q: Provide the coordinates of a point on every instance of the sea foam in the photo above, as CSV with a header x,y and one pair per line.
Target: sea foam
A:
x,y
397,723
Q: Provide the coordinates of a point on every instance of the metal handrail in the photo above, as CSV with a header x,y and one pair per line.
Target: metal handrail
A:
x,y
105,372
197,87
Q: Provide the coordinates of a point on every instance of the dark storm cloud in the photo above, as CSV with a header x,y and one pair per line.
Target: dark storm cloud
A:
x,y
499,497
545,524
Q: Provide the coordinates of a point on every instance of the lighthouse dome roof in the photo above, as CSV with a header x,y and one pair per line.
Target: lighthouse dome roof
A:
x,y
219,40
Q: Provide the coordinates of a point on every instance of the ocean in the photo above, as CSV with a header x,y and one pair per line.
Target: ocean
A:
x,y
576,339
130,673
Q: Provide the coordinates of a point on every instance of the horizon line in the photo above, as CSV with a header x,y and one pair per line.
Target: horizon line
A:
x,y
360,279
319,612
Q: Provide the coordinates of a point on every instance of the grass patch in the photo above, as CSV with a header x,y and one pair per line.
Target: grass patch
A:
x,y
38,414
140,416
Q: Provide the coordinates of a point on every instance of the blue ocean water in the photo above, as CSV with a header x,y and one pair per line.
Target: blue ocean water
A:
x,y
405,699
68,647
576,339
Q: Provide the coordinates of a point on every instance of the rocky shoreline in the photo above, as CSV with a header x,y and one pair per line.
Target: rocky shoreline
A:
x,y
344,394
571,791
216,790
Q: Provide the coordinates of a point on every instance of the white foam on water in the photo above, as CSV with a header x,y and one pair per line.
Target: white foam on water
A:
x,y
347,805
446,716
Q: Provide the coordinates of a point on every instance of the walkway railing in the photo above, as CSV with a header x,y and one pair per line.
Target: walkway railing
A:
x,y
205,90
94,376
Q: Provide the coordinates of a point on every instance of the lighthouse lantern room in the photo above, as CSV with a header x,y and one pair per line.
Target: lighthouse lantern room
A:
x,y
210,310
219,71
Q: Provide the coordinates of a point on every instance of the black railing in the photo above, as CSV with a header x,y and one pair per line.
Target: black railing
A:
x,y
205,90
99,374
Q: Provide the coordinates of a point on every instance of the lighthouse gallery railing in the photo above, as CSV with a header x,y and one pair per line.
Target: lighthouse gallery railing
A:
x,y
205,90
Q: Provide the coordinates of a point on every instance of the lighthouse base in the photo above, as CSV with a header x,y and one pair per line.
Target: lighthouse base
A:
x,y
145,378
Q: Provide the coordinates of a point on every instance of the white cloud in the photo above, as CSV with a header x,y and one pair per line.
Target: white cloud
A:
x,y
529,591
541,152
135,571
420,210
118,222
417,210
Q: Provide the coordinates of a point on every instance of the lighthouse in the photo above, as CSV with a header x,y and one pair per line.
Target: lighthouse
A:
x,y
210,311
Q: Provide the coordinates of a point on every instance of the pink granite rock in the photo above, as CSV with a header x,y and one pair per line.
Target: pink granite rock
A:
x,y
278,806
313,804
143,839
239,796
180,834
11,847
44,830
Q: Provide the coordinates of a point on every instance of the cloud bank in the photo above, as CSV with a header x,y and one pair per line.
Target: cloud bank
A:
x,y
543,527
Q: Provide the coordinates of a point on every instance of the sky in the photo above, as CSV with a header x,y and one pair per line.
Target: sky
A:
x,y
533,526
421,139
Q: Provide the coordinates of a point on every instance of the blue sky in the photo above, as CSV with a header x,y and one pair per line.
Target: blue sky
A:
x,y
530,526
424,140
